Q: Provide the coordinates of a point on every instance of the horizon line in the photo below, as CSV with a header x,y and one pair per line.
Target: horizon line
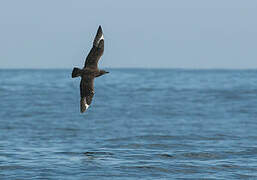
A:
x,y
145,68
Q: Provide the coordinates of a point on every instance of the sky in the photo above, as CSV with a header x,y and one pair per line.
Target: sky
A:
x,y
138,33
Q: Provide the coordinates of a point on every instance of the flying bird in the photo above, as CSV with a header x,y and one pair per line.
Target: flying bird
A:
x,y
90,71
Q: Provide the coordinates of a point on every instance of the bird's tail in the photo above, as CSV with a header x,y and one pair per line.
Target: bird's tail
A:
x,y
76,72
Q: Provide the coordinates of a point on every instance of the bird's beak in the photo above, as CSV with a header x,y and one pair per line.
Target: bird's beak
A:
x,y
106,72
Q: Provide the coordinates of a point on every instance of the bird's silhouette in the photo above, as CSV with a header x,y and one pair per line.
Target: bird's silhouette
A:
x,y
90,71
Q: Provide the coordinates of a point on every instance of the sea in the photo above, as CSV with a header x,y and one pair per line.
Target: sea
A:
x,y
142,124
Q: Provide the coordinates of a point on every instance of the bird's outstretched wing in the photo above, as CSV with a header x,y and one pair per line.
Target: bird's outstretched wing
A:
x,y
86,92
96,51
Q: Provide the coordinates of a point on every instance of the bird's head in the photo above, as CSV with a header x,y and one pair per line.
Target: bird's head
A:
x,y
102,72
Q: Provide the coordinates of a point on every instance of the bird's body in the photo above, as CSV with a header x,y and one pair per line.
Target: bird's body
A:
x,y
90,71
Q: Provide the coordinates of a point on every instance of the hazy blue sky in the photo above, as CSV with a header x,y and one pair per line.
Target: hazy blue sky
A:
x,y
138,33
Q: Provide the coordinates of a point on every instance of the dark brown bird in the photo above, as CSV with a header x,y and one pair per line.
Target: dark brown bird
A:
x,y
90,71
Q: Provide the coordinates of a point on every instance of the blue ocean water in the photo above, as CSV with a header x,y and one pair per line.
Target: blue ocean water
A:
x,y
142,124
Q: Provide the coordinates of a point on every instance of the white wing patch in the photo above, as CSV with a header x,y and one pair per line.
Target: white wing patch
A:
x,y
85,102
102,37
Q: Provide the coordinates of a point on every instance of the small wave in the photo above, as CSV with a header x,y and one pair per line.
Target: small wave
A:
x,y
67,129
168,156
245,176
12,167
202,155
169,137
246,152
148,168
98,153
69,153
145,137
